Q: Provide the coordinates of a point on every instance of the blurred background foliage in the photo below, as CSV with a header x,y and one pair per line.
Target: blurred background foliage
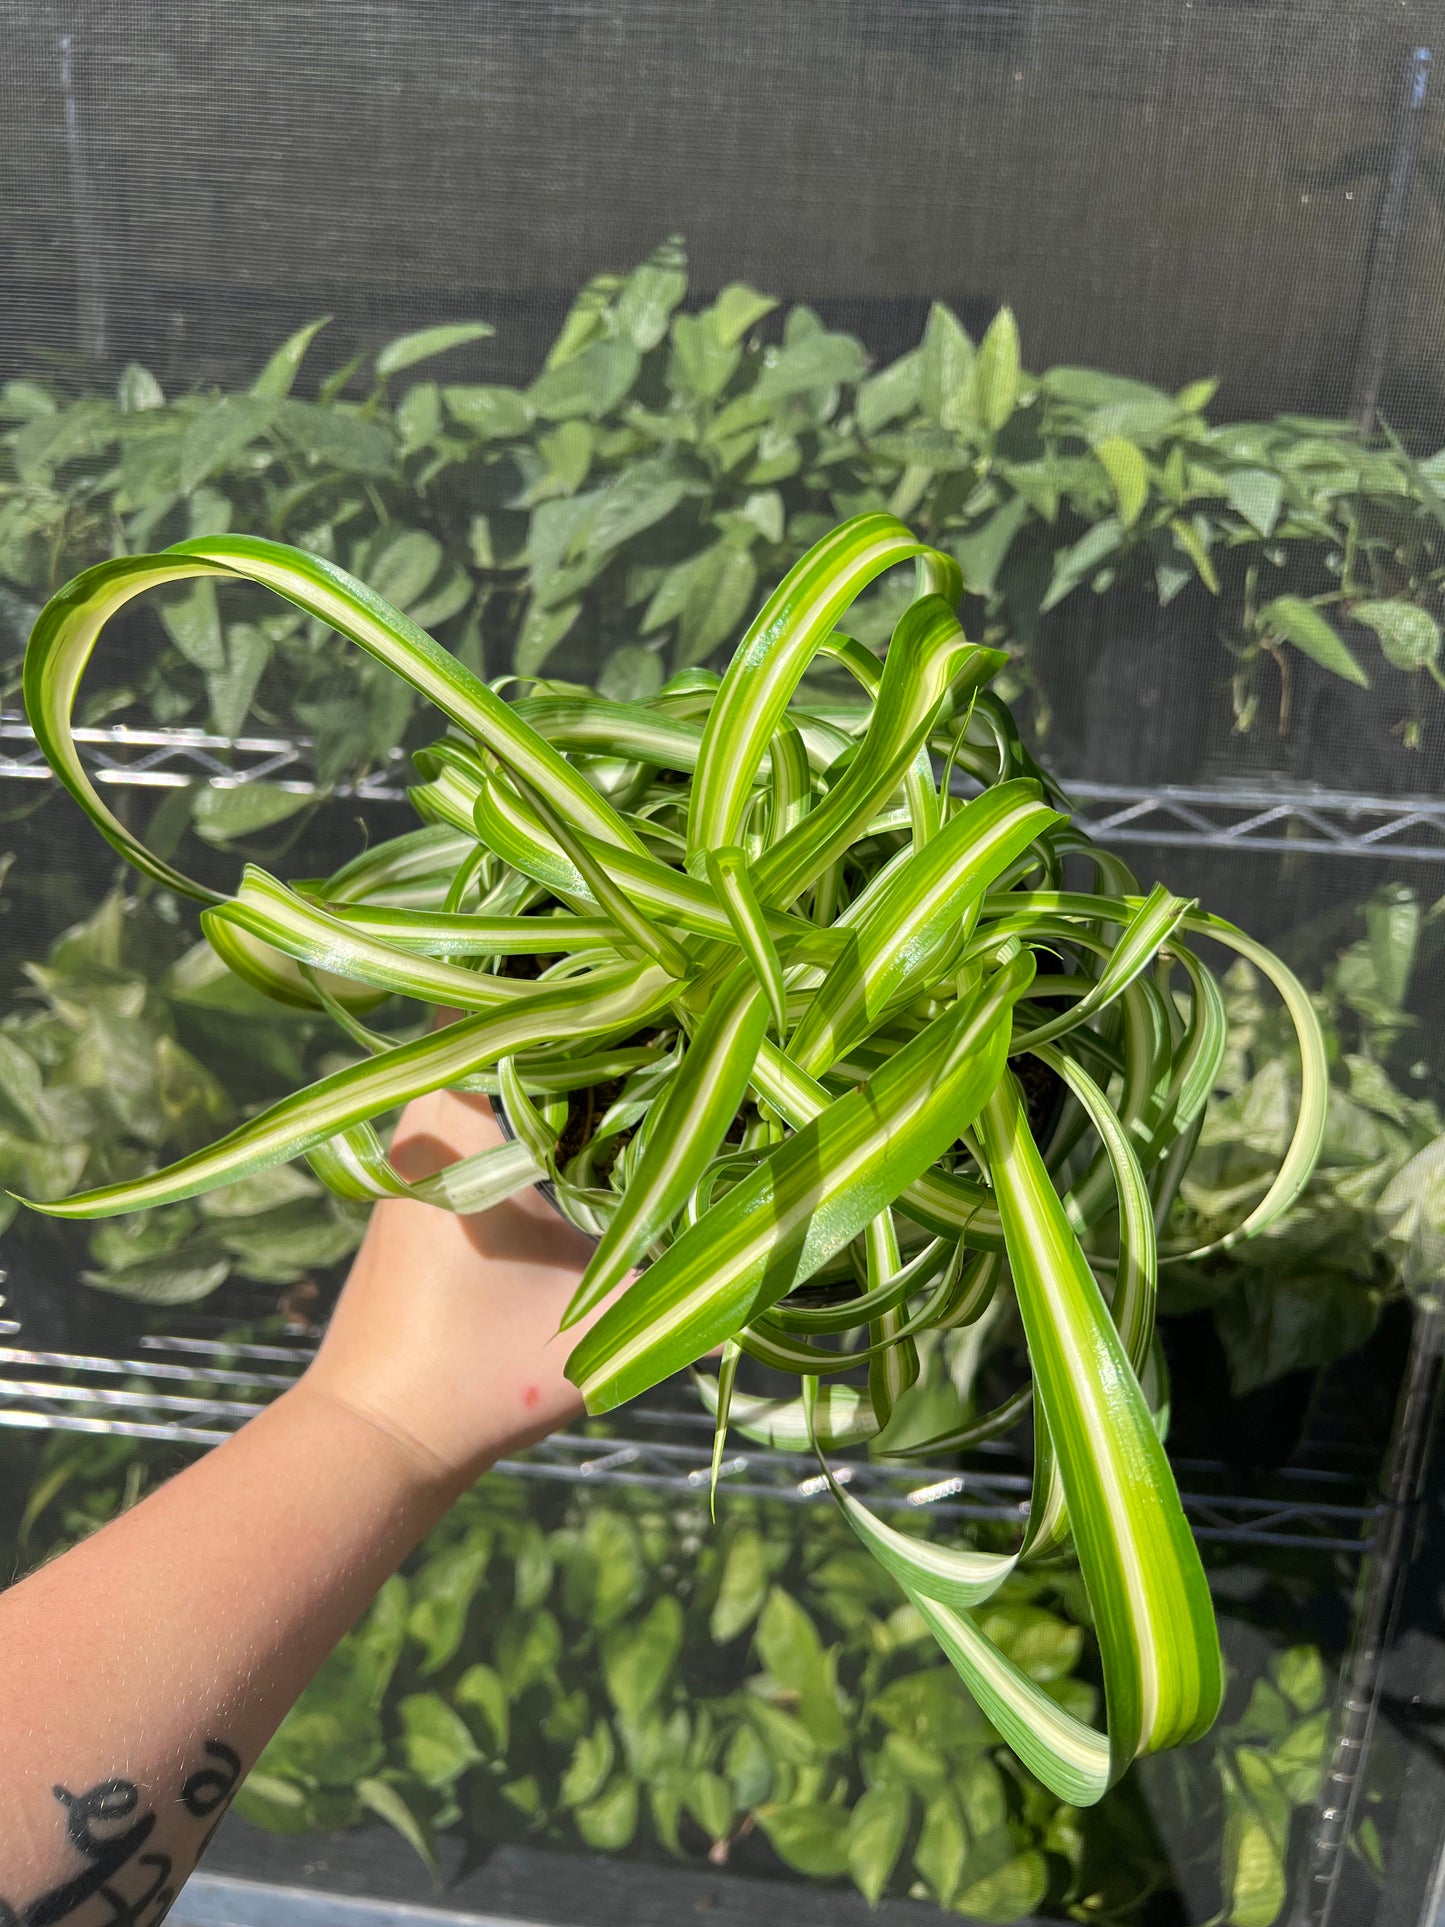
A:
x,y
621,516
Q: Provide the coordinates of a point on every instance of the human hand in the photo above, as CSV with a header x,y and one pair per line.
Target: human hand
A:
x,y
445,1335
200,1613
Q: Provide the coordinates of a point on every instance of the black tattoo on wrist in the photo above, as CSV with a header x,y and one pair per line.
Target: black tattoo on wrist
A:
x,y
106,1830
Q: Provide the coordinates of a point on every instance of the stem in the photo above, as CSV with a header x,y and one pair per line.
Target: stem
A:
x,y
1281,662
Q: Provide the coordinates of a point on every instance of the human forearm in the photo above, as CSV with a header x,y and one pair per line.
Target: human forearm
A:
x,y
145,1669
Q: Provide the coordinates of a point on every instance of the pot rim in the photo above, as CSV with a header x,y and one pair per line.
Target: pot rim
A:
x,y
544,1185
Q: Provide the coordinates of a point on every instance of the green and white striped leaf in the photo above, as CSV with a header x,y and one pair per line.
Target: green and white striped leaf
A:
x,y
279,976
952,1576
1148,929
1073,1761
842,1416
929,655
699,1102
59,648
1137,1270
354,1165
419,863
506,825
727,872
609,1002
270,912
1163,1674
723,1385
893,1365
769,1341
459,933
774,653
804,1202
922,791
632,924
790,781
601,728
365,618
535,1126
1308,1136
922,1271
68,627
910,920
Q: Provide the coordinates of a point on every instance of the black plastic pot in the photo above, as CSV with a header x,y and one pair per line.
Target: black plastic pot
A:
x,y
544,1185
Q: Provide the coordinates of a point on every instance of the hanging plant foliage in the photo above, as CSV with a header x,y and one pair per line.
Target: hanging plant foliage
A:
x,y
819,956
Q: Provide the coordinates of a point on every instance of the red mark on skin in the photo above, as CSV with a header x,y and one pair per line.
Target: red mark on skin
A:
x,y
532,1395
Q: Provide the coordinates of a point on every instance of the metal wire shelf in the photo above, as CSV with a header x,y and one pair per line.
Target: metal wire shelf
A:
x,y
116,754
190,1390
1316,821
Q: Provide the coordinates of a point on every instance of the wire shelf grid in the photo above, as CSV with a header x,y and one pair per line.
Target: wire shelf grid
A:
x,y
1302,820
189,1390
118,755
1315,821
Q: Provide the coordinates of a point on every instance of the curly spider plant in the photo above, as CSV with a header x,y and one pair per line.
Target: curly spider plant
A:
x,y
801,950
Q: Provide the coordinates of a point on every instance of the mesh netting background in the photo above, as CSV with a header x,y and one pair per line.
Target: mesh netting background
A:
x,y
1167,189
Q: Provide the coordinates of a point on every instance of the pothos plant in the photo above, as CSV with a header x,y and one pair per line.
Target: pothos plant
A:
x,y
129,1045
662,467
1367,1227
574,1667
811,964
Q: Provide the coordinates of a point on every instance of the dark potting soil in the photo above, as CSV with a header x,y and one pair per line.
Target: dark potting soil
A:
x,y
585,1109
525,966
1043,1091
